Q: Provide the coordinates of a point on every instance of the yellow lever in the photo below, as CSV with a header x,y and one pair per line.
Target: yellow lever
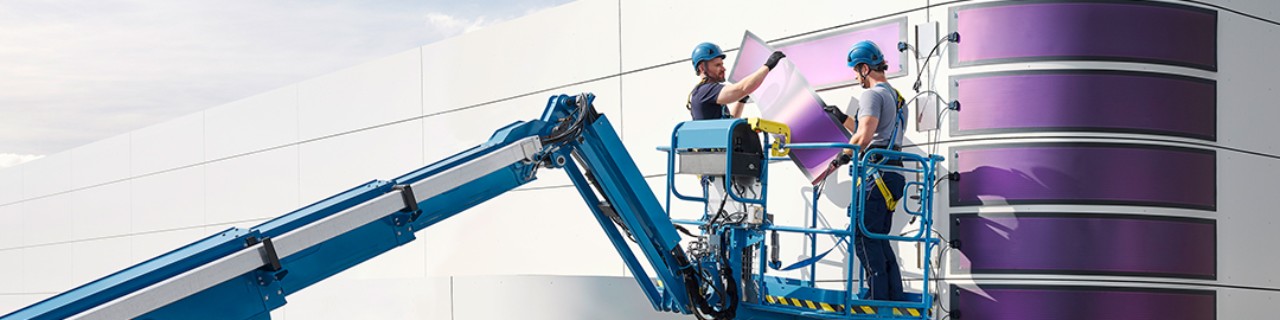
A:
x,y
773,127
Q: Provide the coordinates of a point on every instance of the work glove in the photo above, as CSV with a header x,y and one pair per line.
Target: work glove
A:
x,y
744,99
773,59
841,160
835,111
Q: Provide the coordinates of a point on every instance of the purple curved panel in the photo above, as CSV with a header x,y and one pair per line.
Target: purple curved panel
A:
x,y
1010,302
1090,30
822,60
1097,244
1086,100
1085,173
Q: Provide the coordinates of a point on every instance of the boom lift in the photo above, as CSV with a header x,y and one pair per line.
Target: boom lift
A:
x,y
246,273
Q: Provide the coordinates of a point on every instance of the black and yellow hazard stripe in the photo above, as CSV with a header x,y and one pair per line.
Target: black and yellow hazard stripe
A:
x,y
808,304
823,306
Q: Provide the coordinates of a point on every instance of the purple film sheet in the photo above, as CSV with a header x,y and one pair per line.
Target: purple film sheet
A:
x,y
1110,31
1096,244
1049,100
1019,302
823,60
1086,173
785,96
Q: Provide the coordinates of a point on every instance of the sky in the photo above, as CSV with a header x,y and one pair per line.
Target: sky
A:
x,y
78,71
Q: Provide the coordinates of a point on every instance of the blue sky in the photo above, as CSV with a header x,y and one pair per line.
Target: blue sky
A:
x,y
73,72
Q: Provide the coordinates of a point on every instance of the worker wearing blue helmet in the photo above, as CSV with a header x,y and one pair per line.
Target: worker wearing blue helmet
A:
x,y
710,98
877,123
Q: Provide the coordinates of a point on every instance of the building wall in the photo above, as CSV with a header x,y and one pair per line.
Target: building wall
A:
x,y
81,214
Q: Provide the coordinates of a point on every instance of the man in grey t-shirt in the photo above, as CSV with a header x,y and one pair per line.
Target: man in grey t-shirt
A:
x,y
876,124
876,103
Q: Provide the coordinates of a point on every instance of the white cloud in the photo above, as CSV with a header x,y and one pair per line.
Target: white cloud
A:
x,y
12,159
447,25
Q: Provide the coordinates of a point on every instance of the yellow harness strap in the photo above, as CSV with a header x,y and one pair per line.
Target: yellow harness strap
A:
x,y
889,201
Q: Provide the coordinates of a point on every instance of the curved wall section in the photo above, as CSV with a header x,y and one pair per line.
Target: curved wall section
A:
x,y
1085,173
1085,100
1009,302
1087,244
1086,30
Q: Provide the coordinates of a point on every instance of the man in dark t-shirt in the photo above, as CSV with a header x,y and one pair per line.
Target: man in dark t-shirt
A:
x,y
709,99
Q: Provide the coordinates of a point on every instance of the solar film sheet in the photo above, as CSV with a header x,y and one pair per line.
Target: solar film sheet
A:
x,y
785,96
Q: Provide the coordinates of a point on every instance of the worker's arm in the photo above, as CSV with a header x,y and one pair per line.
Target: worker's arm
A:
x,y
737,91
867,117
736,109
866,127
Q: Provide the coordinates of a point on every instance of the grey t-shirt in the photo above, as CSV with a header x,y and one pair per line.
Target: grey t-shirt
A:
x,y
881,102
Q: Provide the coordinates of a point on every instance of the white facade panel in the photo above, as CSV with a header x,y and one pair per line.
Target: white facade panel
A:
x,y
1244,221
11,215
47,220
94,259
367,95
10,272
10,185
259,122
333,165
408,261
168,145
1243,115
105,161
545,231
416,298
152,244
1235,303
251,187
1262,9
552,297
47,269
101,211
46,176
168,200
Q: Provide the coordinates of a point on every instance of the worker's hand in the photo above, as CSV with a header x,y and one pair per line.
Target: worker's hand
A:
x,y
744,99
841,160
773,59
835,111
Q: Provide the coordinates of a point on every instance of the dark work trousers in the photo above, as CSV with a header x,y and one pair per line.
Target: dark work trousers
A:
x,y
878,260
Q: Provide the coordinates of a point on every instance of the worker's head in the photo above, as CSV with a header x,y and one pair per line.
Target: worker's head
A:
x,y
708,61
867,61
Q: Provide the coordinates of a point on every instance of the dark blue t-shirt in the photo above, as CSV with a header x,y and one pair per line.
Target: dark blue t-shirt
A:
x,y
702,102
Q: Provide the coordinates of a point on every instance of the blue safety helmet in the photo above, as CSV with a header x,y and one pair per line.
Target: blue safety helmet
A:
x,y
705,51
866,52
